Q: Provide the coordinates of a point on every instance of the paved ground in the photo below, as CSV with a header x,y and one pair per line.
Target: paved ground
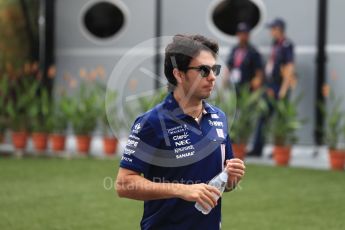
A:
x,y
302,156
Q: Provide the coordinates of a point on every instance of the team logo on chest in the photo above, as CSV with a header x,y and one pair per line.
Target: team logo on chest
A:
x,y
214,116
182,144
181,140
215,123
220,133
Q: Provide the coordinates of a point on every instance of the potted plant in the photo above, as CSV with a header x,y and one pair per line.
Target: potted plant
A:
x,y
249,105
40,114
334,120
3,96
2,132
110,141
85,106
59,123
284,124
242,110
17,109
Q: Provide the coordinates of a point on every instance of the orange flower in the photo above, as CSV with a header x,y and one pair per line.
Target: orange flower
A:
x,y
51,72
92,75
133,83
101,72
82,73
34,67
73,84
326,90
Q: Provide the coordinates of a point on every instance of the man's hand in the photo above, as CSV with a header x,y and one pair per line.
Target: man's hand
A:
x,y
204,194
256,82
236,170
270,93
288,75
282,93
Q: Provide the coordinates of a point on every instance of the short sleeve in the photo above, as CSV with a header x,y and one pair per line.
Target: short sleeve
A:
x,y
140,143
257,60
288,53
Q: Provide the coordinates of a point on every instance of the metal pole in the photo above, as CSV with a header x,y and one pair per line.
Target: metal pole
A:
x,y
158,31
321,60
46,39
42,32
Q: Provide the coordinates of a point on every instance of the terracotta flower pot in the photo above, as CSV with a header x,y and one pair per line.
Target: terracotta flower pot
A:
x,y
337,159
83,144
109,145
40,141
58,142
19,139
281,155
239,150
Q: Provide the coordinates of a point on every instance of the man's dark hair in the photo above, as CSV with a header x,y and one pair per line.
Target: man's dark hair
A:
x,y
180,52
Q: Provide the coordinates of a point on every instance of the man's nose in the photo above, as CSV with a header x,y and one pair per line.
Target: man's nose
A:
x,y
211,76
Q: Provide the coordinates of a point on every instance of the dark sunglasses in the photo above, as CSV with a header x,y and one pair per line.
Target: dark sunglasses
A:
x,y
205,70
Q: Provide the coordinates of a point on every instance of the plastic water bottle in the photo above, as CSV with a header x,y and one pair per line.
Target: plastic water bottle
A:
x,y
219,182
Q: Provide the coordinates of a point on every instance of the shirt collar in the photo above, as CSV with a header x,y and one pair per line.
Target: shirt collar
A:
x,y
279,42
172,105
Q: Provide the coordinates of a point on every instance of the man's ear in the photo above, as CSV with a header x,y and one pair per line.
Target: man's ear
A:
x,y
178,75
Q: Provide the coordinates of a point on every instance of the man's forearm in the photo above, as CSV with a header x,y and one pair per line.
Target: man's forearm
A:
x,y
131,184
138,188
288,75
257,79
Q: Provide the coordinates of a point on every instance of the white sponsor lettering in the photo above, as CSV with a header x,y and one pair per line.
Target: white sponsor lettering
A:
x,y
128,151
131,143
126,159
177,129
185,155
185,148
220,133
180,137
136,128
183,142
214,116
215,123
134,137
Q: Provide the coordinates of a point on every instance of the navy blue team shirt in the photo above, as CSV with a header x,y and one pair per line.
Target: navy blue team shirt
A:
x,y
166,145
251,62
282,54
